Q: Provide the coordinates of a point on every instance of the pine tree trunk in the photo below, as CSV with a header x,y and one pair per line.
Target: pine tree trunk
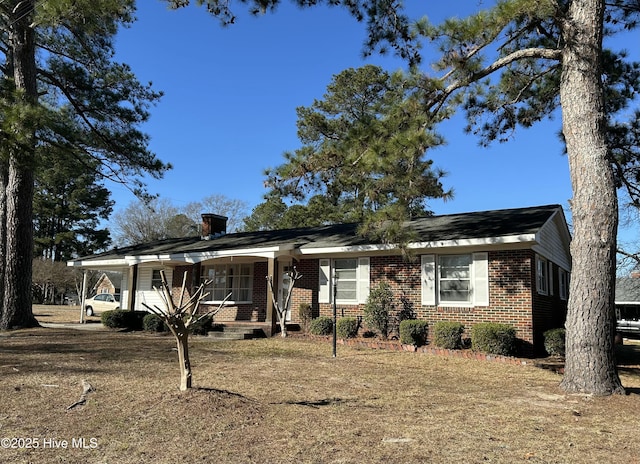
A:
x,y
590,362
4,172
17,311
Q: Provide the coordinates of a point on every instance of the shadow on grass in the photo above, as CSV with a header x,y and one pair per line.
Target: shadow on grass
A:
x,y
317,404
222,392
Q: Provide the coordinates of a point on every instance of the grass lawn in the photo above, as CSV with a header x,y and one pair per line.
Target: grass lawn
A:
x,y
289,401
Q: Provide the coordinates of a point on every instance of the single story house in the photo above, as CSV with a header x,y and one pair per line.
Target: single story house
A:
x,y
108,282
627,302
509,266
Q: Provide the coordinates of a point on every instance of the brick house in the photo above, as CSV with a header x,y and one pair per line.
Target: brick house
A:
x,y
508,266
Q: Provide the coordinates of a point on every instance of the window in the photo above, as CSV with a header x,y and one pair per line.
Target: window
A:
x,y
346,274
352,280
234,279
563,284
455,280
542,276
156,279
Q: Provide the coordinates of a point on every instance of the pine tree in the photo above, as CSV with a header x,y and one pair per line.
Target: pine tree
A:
x,y
73,98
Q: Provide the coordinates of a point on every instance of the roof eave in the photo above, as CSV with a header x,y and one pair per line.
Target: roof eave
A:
x,y
455,243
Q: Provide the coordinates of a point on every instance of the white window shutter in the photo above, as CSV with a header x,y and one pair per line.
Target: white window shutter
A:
x,y
428,279
481,279
550,281
324,282
363,280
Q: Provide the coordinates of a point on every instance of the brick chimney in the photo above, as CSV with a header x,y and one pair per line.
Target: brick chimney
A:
x,y
213,225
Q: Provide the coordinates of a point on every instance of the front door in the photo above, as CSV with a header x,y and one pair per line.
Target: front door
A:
x,y
285,281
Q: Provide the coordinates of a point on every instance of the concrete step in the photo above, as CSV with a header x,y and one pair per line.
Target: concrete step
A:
x,y
237,332
229,336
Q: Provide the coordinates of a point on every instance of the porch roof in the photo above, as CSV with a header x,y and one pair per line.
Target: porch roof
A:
x,y
484,227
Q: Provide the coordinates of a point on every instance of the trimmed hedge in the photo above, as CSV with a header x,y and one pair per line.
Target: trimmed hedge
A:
x,y
153,323
322,325
347,327
413,332
493,338
123,319
447,335
554,341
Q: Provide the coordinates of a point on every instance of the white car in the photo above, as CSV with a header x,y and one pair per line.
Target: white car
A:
x,y
101,302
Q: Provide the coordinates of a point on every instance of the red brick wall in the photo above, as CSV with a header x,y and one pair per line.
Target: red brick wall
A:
x,y
255,311
512,294
510,291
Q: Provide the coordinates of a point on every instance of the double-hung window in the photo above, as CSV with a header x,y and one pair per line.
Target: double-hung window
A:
x,y
351,277
225,279
542,275
156,279
563,283
455,280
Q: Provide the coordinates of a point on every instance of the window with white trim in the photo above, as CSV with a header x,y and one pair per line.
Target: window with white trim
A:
x,y
455,280
563,284
156,279
234,279
542,276
351,278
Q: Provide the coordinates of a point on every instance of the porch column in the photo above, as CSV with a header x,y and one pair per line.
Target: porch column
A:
x,y
83,296
132,277
270,310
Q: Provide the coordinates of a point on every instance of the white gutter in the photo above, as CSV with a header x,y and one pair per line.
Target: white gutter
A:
x,y
467,242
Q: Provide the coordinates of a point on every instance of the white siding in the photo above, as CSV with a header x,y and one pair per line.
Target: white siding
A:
x,y
146,294
554,241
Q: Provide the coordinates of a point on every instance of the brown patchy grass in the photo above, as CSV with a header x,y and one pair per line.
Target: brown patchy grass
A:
x,y
289,401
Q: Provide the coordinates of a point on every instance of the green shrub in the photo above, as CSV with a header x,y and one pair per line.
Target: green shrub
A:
x,y
493,338
305,313
347,327
378,308
413,332
153,323
115,319
322,325
448,335
202,327
554,340
123,319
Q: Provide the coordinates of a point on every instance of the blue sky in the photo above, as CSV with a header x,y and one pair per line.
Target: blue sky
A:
x,y
231,93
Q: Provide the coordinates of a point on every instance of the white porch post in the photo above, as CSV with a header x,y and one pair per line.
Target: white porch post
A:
x,y
83,297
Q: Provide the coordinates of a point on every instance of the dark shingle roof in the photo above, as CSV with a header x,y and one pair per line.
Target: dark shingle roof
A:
x,y
474,225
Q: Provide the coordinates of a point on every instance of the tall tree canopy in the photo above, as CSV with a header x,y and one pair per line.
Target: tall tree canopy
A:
x,y
363,150
514,64
69,202
158,219
61,91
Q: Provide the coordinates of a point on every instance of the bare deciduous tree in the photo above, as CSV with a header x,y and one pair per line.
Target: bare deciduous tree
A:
x,y
181,318
281,309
